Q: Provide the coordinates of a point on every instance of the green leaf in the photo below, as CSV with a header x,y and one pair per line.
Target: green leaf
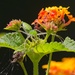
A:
x,y
11,40
41,49
70,44
23,47
35,57
2,33
26,26
33,32
49,47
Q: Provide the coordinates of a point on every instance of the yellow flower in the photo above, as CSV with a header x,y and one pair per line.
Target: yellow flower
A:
x,y
65,67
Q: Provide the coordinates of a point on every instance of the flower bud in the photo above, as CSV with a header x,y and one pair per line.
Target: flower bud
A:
x,y
13,25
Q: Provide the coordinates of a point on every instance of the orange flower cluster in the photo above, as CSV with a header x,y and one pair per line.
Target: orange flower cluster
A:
x,y
53,18
13,25
66,67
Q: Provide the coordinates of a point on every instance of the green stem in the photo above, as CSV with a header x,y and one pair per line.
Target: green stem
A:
x,y
23,68
47,35
50,58
53,37
49,62
35,68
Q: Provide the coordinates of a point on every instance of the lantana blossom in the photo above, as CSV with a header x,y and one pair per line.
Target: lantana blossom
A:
x,y
53,18
13,25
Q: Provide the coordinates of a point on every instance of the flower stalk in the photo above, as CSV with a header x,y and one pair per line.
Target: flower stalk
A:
x,y
50,57
49,62
23,67
35,68
47,36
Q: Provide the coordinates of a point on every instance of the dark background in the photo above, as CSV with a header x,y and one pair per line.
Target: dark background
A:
x,y
27,11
